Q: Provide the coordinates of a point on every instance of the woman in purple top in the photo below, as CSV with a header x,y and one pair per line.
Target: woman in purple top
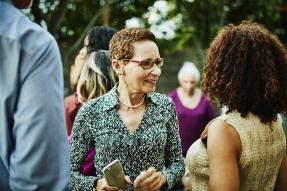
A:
x,y
193,108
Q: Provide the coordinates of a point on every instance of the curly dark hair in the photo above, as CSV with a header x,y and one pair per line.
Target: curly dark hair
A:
x,y
121,45
246,70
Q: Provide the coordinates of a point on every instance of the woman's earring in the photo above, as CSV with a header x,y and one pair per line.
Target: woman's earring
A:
x,y
121,73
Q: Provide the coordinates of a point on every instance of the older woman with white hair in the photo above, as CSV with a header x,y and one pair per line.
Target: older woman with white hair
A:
x,y
193,108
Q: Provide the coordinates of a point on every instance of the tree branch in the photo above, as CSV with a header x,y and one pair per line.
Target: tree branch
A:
x,y
57,17
37,12
77,44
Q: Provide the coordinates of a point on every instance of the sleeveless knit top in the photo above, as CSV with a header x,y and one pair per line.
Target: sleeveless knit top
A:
x,y
263,148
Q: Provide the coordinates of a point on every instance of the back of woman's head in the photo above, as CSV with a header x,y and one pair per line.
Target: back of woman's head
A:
x,y
99,38
22,4
97,76
246,71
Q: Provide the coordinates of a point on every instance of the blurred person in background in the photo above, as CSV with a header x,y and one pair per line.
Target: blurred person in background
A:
x,y
130,123
97,78
33,144
244,149
193,109
91,66
71,102
98,38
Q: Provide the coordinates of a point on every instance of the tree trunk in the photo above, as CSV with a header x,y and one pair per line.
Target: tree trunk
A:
x,y
106,13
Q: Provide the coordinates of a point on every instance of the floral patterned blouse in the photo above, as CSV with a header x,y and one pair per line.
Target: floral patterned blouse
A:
x,y
154,143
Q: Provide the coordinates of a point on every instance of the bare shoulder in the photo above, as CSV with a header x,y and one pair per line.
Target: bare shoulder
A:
x,y
223,148
222,137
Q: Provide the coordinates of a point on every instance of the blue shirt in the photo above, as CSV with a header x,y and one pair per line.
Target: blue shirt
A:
x,y
154,143
33,143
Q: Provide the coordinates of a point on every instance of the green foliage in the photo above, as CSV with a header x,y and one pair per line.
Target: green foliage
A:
x,y
197,21
201,19
69,20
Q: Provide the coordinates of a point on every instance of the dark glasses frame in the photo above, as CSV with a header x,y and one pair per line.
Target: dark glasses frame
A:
x,y
148,63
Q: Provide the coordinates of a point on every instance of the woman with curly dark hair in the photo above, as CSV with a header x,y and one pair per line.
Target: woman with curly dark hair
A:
x,y
244,149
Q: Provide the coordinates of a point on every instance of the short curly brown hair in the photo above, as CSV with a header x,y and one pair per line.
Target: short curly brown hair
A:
x,y
246,70
121,45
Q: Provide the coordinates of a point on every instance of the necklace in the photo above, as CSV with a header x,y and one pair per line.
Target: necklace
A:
x,y
132,106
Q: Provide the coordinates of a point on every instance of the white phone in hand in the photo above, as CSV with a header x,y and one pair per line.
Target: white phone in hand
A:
x,y
114,175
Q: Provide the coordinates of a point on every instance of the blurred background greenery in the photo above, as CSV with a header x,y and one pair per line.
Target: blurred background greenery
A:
x,y
184,28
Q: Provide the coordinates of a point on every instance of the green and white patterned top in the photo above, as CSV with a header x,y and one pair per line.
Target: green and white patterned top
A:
x,y
154,143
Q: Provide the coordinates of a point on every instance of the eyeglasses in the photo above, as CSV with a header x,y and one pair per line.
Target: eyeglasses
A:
x,y
148,63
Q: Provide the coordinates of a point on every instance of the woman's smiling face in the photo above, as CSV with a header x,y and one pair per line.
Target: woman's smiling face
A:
x,y
137,78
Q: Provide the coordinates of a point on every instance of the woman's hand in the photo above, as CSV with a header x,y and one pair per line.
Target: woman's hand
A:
x,y
103,185
186,180
150,179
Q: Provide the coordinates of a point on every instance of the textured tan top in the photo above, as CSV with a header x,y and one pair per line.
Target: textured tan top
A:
x,y
263,149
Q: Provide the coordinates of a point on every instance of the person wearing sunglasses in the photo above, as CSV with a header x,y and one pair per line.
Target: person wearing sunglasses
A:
x,y
131,122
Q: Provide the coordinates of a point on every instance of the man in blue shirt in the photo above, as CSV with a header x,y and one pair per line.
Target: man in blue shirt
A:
x,y
33,144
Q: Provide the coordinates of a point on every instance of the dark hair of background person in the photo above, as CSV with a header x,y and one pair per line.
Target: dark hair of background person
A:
x,y
121,44
99,37
246,71
22,4
97,76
